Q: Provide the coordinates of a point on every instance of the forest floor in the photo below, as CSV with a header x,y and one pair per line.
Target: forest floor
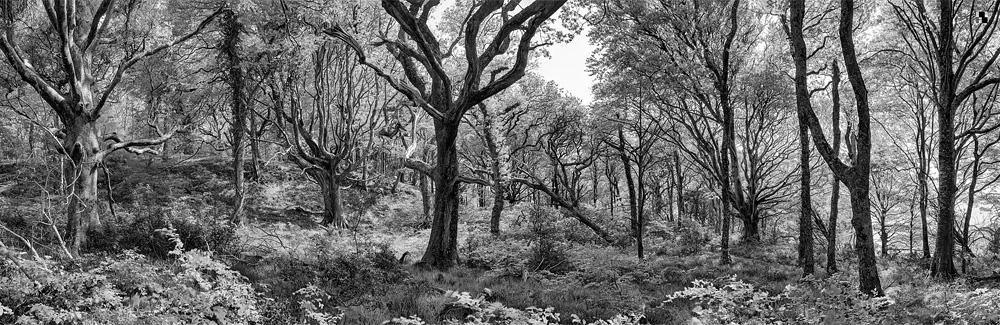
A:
x,y
540,260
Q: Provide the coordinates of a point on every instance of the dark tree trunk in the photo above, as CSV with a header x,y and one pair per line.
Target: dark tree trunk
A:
x,y
333,214
751,229
944,248
806,259
923,191
831,228
442,248
883,235
254,150
497,209
632,198
680,186
864,241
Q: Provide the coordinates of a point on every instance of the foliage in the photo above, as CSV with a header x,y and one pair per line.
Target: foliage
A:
x,y
124,289
836,299
487,312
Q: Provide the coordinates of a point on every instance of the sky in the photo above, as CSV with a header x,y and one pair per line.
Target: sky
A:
x,y
567,66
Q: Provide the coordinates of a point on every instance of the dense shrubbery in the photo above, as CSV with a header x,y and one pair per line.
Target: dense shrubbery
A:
x,y
124,289
836,299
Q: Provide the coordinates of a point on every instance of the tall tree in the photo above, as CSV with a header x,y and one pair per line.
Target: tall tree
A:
x,y
232,30
956,63
422,53
855,176
75,94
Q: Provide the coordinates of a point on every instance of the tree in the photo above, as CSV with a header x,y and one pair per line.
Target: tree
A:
x,y
955,63
230,48
886,195
445,99
77,28
856,175
683,40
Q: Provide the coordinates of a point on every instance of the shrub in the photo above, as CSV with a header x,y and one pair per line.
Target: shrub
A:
x,y
125,289
483,312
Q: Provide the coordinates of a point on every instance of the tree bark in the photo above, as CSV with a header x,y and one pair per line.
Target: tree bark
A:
x,y
805,249
230,47
944,248
81,213
333,214
254,150
831,228
442,248
497,210
864,242
425,199
751,229
680,186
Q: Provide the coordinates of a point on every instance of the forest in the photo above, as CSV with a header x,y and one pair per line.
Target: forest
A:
x,y
410,162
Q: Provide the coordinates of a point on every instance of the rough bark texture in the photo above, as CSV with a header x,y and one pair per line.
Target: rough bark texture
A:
x,y
329,186
442,248
831,228
81,215
230,47
944,248
805,248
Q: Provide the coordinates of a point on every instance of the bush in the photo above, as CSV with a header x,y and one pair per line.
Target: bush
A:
x,y
836,299
141,234
482,311
125,289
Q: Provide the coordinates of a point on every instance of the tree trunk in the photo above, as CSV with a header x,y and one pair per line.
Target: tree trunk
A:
x,y
883,235
863,241
680,186
831,238
230,48
806,259
944,248
82,143
923,191
442,247
425,198
630,184
751,229
333,214
497,209
254,150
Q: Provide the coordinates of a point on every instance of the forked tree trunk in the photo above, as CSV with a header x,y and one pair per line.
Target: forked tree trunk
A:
x,y
442,252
